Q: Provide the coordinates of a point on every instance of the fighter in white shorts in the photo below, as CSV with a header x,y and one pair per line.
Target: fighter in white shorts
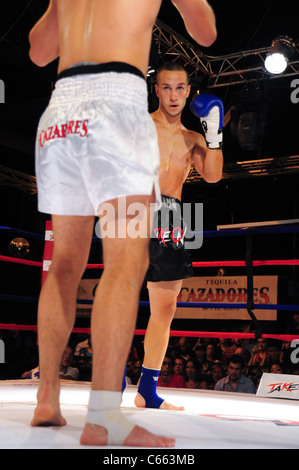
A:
x,y
95,141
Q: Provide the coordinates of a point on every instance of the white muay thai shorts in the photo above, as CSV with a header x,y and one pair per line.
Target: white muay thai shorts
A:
x,y
96,140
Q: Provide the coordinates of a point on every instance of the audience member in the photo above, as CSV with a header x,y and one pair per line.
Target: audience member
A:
x,y
259,353
217,373
193,374
200,353
66,372
83,359
179,366
184,348
293,327
83,343
235,380
167,377
226,348
276,368
254,373
240,351
274,354
136,371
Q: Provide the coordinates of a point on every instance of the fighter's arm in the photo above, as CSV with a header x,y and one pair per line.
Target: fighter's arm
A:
x,y
199,20
208,162
44,38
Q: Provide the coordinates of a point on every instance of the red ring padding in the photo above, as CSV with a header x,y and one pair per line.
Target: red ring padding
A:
x,y
196,334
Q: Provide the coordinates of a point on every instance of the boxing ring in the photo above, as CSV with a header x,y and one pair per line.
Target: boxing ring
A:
x,y
211,420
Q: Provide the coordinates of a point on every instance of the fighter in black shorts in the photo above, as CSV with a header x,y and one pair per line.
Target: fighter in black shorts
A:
x,y
169,261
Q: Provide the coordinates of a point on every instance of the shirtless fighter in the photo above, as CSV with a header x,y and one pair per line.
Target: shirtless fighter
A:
x,y
169,261
97,144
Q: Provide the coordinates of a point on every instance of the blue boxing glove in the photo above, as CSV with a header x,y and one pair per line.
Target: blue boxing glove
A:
x,y
209,109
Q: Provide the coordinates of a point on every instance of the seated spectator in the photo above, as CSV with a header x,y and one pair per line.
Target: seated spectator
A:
x,y
259,353
82,344
135,371
254,373
276,368
83,359
226,348
274,353
66,372
179,365
209,360
167,377
200,353
240,351
193,375
235,380
183,348
212,377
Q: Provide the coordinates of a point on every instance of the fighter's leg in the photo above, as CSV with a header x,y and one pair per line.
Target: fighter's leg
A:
x,y
57,307
163,299
113,322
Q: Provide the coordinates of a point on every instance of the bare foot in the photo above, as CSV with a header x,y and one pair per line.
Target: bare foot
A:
x,y
94,435
47,411
47,415
140,403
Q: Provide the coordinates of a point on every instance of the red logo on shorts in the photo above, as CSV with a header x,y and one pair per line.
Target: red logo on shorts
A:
x,y
60,131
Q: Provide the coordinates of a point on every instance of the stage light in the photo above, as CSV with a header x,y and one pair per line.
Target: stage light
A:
x,y
280,53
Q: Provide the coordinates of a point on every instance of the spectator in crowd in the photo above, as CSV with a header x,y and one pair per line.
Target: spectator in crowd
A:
x,y
217,373
254,373
259,353
274,354
193,374
135,376
200,353
167,377
276,368
235,380
66,371
226,348
179,365
184,348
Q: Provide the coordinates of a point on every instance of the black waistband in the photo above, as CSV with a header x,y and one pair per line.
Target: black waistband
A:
x,y
120,67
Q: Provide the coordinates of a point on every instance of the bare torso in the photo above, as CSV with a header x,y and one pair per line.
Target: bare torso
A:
x,y
176,149
87,31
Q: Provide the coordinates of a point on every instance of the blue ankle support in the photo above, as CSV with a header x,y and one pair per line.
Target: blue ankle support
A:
x,y
148,387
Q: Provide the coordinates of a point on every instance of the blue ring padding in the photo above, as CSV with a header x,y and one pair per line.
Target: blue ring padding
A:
x,y
209,233
242,231
23,232
145,303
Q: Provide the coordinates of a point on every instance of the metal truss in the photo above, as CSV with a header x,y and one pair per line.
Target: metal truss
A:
x,y
251,168
222,71
17,179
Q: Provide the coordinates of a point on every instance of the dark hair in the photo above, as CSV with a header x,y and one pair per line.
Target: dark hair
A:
x,y
236,359
172,67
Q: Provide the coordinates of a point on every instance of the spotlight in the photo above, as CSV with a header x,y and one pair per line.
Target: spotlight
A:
x,y
280,53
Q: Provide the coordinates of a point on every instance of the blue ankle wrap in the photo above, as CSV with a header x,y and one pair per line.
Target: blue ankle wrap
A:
x,y
148,387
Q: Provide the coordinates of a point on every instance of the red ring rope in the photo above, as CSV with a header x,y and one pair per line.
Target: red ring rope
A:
x,y
195,264
190,334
